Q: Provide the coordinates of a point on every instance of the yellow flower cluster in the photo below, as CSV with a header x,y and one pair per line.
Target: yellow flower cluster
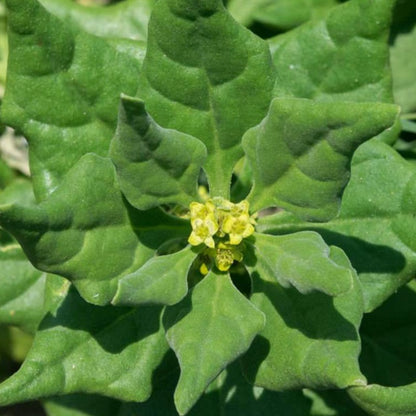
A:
x,y
221,225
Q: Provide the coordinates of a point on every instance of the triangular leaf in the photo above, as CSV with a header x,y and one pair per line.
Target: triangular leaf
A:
x,y
213,65
303,261
309,340
300,153
63,89
209,329
85,348
85,230
376,225
162,280
155,166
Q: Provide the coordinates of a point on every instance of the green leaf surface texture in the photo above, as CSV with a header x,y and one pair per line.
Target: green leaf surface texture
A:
x,y
85,348
213,65
376,224
125,20
343,57
161,280
209,329
22,290
303,261
300,153
155,166
388,357
86,232
63,89
309,340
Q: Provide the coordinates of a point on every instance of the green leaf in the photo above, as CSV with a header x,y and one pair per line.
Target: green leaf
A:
x,y
403,62
344,57
127,19
162,280
155,166
214,64
281,15
376,225
209,329
300,154
303,261
388,357
386,401
63,89
22,290
309,340
85,348
86,231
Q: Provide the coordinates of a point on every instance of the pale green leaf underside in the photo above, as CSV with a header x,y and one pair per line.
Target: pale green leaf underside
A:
x,y
85,348
22,290
300,153
155,166
403,66
280,14
209,329
386,401
309,340
161,280
63,89
344,57
214,65
376,224
85,230
127,19
303,261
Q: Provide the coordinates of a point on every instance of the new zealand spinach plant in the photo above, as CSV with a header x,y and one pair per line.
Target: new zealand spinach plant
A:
x,y
210,214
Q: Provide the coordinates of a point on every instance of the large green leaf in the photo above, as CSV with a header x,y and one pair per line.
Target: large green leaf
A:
x,y
344,57
198,76
22,290
303,261
376,225
85,348
388,355
63,88
300,154
86,231
162,280
309,340
155,166
127,19
209,329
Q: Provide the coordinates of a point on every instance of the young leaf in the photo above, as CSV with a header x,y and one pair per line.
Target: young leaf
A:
x,y
63,89
162,280
300,154
214,64
376,225
86,232
309,340
85,348
155,166
303,261
22,290
344,57
209,329
124,20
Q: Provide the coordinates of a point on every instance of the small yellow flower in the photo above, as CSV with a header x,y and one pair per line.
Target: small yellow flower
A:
x,y
202,232
226,255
